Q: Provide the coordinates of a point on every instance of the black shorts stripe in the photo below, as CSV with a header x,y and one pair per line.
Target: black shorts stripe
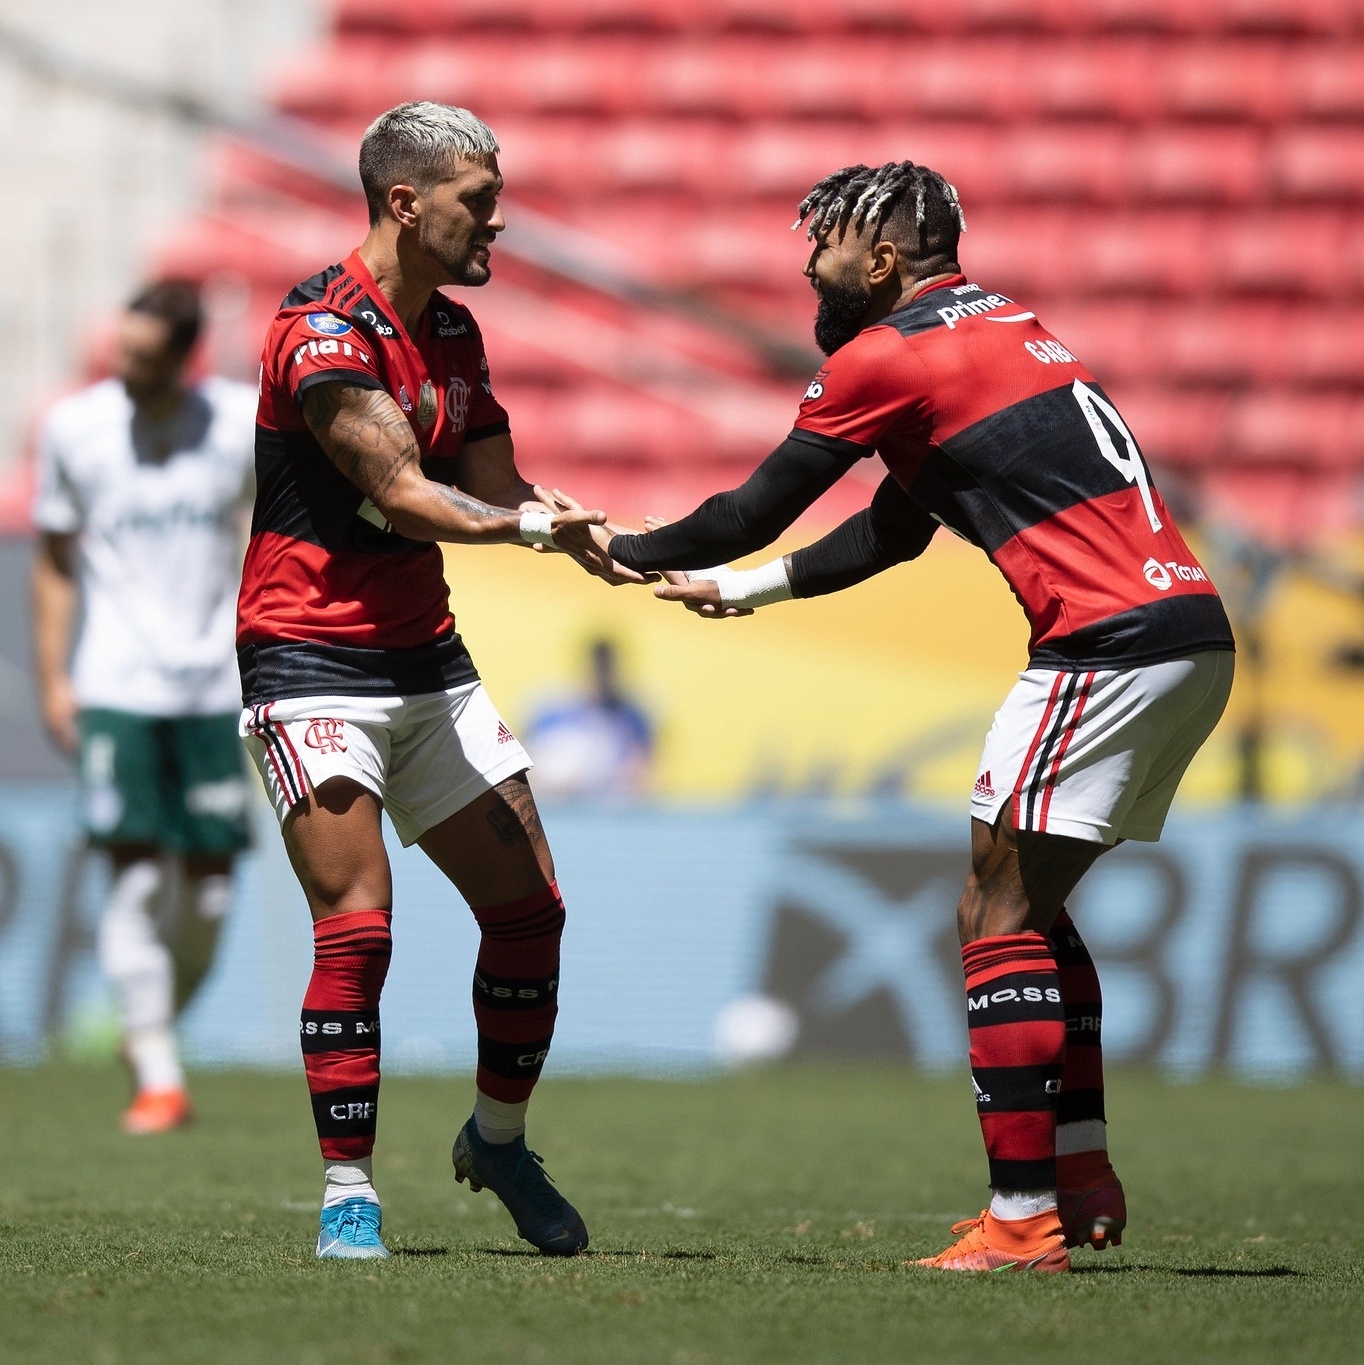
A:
x,y
282,758
1045,752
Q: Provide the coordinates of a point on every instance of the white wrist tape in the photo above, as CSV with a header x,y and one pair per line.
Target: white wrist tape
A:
x,y
758,587
536,528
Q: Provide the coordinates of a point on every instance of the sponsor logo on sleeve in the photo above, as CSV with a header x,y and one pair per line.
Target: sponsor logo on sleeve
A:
x,y
380,326
816,389
328,324
317,349
447,327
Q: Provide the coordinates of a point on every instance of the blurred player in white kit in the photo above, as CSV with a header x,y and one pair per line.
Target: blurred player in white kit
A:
x,y
142,482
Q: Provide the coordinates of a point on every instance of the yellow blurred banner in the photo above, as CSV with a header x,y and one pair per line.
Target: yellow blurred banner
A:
x,y
886,689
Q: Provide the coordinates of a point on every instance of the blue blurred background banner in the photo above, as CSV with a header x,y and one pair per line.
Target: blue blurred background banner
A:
x,y
700,936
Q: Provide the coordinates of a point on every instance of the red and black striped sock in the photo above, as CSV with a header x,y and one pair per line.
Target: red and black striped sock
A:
x,y
1018,1039
339,1029
516,991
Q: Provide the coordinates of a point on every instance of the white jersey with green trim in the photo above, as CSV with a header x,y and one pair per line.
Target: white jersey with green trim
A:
x,y
157,511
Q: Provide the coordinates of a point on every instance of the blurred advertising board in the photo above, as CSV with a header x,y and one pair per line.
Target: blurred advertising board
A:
x,y
700,935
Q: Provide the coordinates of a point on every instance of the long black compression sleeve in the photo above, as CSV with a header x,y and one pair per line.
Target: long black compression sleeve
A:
x,y
893,529
748,517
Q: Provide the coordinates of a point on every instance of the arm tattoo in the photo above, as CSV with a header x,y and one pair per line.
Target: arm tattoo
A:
x,y
471,507
364,434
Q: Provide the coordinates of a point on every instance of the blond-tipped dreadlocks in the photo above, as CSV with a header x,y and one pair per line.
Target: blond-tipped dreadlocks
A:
x,y
870,196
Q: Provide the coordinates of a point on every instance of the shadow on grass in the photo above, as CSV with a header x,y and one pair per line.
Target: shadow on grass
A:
x,y
421,1251
1271,1272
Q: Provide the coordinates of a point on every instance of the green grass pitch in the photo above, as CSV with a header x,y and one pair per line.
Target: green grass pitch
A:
x,y
759,1217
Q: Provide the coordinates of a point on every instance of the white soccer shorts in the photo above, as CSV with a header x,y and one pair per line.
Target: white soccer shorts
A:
x,y
1099,754
424,757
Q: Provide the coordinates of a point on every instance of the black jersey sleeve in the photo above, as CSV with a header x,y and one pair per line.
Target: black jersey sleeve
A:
x,y
746,518
893,529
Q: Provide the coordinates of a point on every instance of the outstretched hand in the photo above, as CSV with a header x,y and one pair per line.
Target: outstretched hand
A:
x,y
701,595
585,536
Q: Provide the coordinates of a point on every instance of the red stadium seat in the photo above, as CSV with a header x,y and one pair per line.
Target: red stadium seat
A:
x,y
1222,344
1089,77
1317,163
1321,346
1326,80
1225,16
359,73
972,78
1243,79
1155,252
1112,339
1198,165
1062,162
1180,427
1281,426
1295,251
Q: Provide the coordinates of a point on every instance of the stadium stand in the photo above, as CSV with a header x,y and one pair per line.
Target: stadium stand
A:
x,y
1175,185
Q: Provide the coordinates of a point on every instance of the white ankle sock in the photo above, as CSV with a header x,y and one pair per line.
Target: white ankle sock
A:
x,y
498,1122
1013,1204
349,1180
154,1058
138,966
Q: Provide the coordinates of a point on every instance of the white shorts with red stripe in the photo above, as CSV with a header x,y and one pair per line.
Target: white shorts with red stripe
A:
x,y
1098,755
424,757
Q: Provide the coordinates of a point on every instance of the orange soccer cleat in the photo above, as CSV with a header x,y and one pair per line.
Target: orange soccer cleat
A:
x,y
997,1244
158,1111
1090,1199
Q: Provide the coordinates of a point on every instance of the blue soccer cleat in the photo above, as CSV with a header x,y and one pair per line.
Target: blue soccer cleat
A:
x,y
350,1232
516,1175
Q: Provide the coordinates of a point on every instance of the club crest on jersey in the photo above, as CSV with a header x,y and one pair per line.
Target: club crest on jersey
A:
x,y
427,405
328,324
457,402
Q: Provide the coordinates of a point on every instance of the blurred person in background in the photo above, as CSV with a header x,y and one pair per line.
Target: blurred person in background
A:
x,y
142,484
378,435
989,426
597,743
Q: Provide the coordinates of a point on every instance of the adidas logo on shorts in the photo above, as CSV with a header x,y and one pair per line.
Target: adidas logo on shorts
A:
x,y
504,736
983,784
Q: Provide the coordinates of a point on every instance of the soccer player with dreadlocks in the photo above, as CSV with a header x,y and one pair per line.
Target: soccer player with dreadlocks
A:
x,y
989,426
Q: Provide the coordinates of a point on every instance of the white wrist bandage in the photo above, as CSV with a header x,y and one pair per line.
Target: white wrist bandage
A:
x,y
758,587
536,528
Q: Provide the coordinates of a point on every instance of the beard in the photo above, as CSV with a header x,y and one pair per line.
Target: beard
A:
x,y
839,317
463,266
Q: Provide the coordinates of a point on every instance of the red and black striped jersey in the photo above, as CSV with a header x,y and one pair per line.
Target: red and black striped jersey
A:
x,y
332,600
1000,434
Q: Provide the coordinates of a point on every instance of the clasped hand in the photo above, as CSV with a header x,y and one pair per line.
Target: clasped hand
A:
x,y
586,538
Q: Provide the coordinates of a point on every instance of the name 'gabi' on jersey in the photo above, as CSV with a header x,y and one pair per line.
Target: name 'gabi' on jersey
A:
x,y
332,599
1000,434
